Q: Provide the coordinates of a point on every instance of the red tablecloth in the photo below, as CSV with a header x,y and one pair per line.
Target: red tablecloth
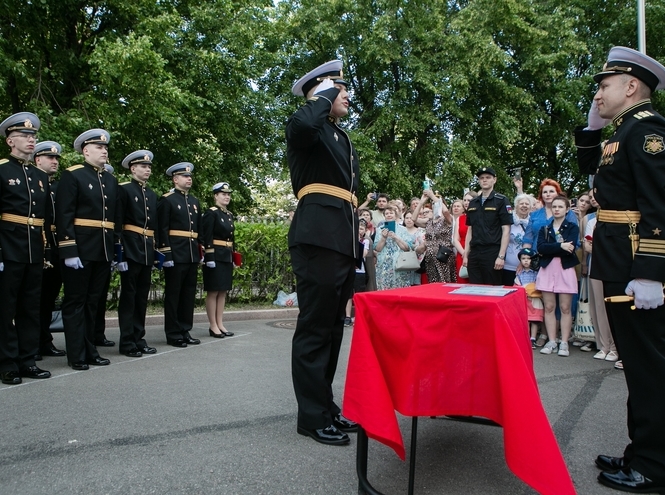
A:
x,y
425,352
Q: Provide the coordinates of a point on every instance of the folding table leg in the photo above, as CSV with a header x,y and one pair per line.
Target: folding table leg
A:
x,y
364,486
412,455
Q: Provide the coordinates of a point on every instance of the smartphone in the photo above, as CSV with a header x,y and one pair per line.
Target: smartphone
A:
x,y
573,203
517,175
390,225
426,183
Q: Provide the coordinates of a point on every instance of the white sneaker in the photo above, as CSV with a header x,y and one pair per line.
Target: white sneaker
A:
x,y
600,355
563,349
612,356
549,348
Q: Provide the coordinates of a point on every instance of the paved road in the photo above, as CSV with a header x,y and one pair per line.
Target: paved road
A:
x,y
219,418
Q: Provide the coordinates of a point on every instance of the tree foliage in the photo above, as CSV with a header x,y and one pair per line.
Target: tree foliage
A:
x,y
439,88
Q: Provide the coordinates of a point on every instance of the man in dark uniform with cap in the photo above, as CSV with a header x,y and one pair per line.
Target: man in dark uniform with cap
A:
x,y
323,245
46,157
629,252
489,218
136,224
179,220
86,205
24,214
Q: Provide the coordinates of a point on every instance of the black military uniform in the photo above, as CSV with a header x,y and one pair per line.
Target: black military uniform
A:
x,y
86,206
217,232
137,225
323,246
51,278
629,243
24,215
179,218
486,221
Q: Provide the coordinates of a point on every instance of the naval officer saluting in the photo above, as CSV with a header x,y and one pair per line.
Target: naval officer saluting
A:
x,y
24,214
86,204
323,245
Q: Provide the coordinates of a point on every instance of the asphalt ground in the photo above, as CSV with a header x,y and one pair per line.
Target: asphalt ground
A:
x,y
220,418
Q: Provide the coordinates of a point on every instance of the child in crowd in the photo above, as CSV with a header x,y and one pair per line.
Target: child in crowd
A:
x,y
557,242
361,276
526,274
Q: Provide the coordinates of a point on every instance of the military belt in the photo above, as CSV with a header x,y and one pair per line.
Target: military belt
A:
x,y
615,216
184,233
10,217
329,190
100,224
139,230
215,242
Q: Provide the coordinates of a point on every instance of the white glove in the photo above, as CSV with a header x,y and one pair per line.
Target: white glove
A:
x,y
2,266
648,293
168,264
122,266
325,84
74,263
594,120
211,264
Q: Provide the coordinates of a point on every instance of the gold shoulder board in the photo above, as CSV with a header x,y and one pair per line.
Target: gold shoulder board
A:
x,y
125,183
213,208
74,167
4,160
166,195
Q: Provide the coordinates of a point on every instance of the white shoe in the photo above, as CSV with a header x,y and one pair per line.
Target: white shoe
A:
x,y
612,356
549,348
563,349
600,355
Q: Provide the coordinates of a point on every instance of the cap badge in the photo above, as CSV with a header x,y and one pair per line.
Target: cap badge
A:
x,y
146,158
28,123
653,144
187,169
102,137
54,149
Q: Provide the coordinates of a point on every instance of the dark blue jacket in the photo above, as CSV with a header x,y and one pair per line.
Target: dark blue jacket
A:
x,y
549,247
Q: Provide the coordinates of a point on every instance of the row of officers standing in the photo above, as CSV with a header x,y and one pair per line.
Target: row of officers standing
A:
x,y
70,233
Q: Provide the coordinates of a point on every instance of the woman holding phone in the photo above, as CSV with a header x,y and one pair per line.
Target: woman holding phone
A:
x,y
390,239
438,232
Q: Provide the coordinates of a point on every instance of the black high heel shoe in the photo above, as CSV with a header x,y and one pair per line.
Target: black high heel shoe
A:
x,y
216,335
228,334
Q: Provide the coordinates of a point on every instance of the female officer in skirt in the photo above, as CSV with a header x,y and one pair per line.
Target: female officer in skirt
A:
x,y
218,270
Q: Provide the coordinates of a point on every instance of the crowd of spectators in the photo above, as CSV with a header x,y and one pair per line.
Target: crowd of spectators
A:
x,y
539,231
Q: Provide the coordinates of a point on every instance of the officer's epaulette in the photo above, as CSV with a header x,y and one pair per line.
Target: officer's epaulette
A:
x,y
3,161
313,98
641,115
500,196
125,183
213,208
74,167
166,195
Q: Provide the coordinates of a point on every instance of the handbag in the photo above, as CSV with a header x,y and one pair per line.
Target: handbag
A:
x,y
407,261
583,323
443,253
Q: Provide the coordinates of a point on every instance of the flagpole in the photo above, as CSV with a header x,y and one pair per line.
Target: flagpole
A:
x,y
641,34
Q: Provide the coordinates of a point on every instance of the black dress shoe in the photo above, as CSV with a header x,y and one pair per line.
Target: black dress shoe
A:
x,y
177,342
99,361
51,350
216,335
191,341
80,366
329,435
344,424
148,350
10,377
38,357
609,463
228,334
629,480
133,353
34,372
104,343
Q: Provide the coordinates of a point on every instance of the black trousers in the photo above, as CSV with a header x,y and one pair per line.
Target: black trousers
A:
x,y
134,289
324,283
100,317
179,298
640,339
20,289
83,289
51,285
481,266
